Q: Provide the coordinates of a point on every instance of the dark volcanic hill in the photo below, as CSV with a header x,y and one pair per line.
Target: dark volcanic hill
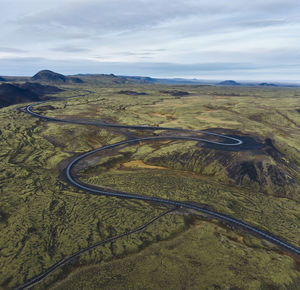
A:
x,y
11,94
49,76
53,77
229,83
2,79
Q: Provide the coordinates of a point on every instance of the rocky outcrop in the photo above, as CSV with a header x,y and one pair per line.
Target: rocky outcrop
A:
x,y
263,168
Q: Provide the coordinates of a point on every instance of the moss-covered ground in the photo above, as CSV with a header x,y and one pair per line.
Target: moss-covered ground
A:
x,y
205,256
43,218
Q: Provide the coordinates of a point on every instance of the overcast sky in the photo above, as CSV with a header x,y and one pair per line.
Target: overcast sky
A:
x,y
211,39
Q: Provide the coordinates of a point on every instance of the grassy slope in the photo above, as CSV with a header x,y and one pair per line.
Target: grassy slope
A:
x,y
43,219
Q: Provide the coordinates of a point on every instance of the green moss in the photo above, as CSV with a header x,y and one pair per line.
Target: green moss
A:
x,y
43,219
206,256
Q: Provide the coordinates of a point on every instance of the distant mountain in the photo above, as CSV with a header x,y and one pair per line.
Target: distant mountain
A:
x,y
141,79
104,79
199,82
2,79
11,94
49,76
175,81
229,83
111,79
267,85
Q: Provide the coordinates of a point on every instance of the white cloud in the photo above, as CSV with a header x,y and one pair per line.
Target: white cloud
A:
x,y
157,31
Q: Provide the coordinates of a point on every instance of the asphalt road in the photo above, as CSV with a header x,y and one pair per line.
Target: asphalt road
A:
x,y
229,141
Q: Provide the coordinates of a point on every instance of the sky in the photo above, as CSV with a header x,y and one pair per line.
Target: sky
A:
x,y
215,39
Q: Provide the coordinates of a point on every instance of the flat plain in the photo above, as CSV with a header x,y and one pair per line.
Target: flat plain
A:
x,y
44,219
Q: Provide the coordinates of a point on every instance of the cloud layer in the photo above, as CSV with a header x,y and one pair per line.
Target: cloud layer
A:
x,y
193,38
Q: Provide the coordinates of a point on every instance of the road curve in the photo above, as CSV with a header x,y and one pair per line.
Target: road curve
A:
x,y
236,142
230,141
251,229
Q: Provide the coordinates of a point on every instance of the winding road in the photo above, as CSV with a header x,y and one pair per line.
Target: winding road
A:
x,y
228,141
